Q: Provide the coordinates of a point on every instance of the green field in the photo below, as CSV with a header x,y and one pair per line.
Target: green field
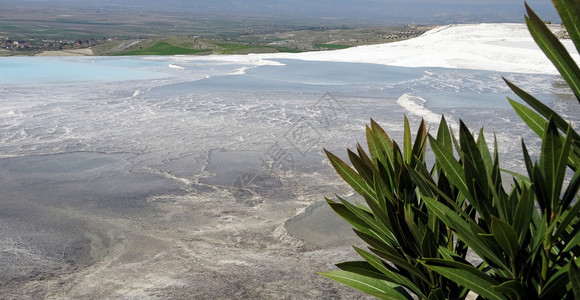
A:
x,y
332,46
234,48
164,48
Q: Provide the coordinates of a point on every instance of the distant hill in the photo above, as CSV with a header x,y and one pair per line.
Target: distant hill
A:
x,y
363,11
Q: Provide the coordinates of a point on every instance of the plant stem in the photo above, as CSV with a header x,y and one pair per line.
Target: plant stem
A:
x,y
545,260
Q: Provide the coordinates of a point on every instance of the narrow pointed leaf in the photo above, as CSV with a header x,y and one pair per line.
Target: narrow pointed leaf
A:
x,y
428,246
511,288
350,176
383,194
362,268
350,217
436,294
574,274
483,149
407,150
569,11
420,179
378,228
444,137
383,139
554,50
363,170
528,161
541,109
571,215
365,269
377,263
451,167
475,173
377,153
573,242
536,122
556,283
572,190
373,241
391,255
456,206
467,276
505,236
366,159
372,286
464,231
550,158
523,215
419,146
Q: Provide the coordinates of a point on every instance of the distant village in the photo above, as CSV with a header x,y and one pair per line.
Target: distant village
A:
x,y
36,45
305,40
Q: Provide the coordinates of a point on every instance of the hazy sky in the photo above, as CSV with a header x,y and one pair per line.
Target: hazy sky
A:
x,y
417,11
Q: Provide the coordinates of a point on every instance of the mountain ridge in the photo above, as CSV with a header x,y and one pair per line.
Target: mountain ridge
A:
x,y
377,11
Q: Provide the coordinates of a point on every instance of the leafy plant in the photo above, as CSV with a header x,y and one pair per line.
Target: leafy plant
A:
x,y
419,223
396,224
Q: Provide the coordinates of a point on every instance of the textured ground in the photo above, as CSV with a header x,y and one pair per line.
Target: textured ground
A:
x,y
105,230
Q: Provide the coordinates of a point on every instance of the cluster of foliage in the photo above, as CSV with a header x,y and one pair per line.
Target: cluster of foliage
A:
x,y
421,221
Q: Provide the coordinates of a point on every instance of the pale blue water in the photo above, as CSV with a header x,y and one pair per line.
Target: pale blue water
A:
x,y
92,143
31,70
50,105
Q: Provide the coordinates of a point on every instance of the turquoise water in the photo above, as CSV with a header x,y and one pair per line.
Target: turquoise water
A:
x,y
117,149
19,70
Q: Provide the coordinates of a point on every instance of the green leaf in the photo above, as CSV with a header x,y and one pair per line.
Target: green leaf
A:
x,y
464,231
379,230
377,263
574,241
574,274
542,110
365,269
383,139
569,11
475,173
436,294
391,255
384,195
362,268
505,236
467,276
542,190
451,167
350,176
472,154
483,149
571,191
407,150
364,171
375,149
568,217
372,286
523,215
341,210
536,122
444,136
358,223
428,181
556,283
381,222
554,50
374,242
512,288
420,145
553,161
428,245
